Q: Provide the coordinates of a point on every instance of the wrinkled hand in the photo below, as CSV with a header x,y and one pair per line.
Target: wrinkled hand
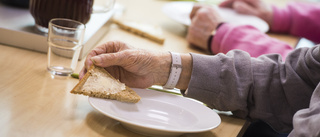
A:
x,y
134,67
204,20
251,7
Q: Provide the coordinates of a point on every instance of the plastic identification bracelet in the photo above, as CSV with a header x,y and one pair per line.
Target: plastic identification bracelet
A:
x,y
176,68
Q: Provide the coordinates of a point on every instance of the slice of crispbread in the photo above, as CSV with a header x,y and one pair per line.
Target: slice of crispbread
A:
x,y
97,82
149,31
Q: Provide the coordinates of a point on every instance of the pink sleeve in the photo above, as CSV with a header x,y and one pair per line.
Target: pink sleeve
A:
x,y
249,39
299,19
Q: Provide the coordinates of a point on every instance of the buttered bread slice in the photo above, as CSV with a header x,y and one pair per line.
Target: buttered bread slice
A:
x,y
97,82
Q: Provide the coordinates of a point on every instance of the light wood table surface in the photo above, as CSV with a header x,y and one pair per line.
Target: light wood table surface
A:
x,y
33,104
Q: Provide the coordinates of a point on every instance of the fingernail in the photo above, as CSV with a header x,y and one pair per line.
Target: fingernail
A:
x,y
96,59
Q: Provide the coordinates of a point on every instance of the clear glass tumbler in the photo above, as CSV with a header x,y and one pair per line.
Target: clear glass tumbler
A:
x,y
65,38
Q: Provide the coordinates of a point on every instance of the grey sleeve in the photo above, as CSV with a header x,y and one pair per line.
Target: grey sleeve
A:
x,y
306,122
262,88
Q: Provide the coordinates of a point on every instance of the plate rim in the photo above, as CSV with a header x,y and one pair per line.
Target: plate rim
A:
x,y
122,120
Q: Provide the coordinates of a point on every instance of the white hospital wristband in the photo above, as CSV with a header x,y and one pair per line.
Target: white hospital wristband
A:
x,y
175,71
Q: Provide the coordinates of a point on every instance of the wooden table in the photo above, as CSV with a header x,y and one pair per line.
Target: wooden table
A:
x,y
34,104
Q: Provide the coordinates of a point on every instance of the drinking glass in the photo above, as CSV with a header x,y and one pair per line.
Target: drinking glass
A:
x,y
65,37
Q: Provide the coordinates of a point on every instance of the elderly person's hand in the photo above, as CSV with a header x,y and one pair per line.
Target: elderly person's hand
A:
x,y
136,67
251,7
204,20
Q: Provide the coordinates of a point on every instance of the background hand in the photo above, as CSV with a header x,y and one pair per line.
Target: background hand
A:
x,y
251,7
204,20
134,67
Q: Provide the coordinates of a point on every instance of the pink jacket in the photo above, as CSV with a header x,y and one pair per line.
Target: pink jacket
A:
x,y
298,19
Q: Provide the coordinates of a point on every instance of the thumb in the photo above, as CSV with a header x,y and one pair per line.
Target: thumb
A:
x,y
244,8
109,59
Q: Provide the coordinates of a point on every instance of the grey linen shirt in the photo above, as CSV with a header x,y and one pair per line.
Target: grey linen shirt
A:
x,y
286,95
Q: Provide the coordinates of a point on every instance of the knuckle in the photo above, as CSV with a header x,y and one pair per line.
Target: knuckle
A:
x,y
203,13
132,58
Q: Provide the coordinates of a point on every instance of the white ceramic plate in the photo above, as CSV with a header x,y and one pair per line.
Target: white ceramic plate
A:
x,y
179,11
159,114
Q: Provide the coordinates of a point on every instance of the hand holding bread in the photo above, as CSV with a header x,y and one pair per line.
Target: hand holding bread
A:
x,y
135,67
124,64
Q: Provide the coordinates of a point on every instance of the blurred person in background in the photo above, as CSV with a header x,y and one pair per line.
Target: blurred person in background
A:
x,y
209,32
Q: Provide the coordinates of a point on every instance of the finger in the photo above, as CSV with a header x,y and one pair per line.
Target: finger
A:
x,y
195,8
110,59
109,47
88,61
82,73
244,8
96,51
253,3
226,4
